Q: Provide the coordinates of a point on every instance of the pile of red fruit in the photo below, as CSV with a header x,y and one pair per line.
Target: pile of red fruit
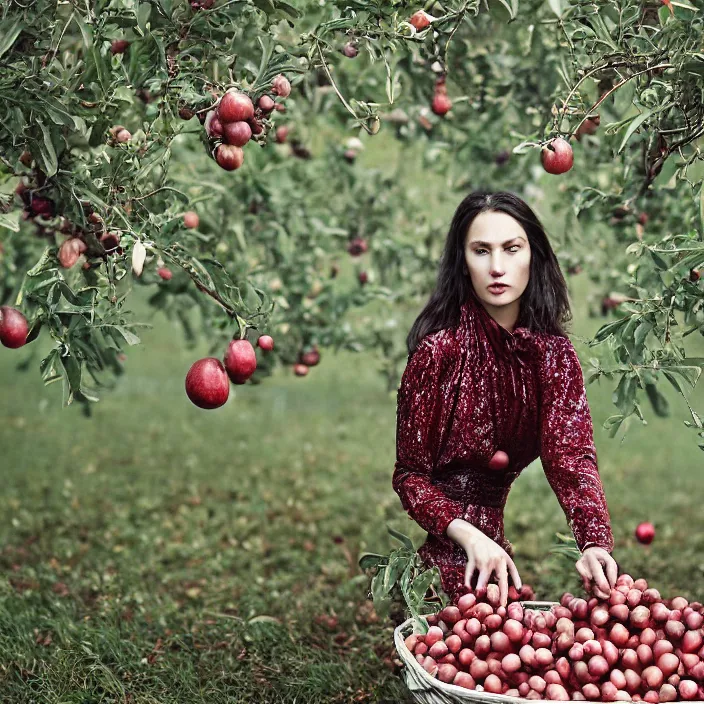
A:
x,y
208,379
235,119
634,646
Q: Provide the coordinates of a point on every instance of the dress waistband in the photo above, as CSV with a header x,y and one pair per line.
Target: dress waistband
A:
x,y
466,483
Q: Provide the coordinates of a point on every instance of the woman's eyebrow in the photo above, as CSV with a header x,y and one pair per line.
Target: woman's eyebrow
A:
x,y
488,244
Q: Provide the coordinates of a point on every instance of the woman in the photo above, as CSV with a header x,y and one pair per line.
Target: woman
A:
x,y
492,371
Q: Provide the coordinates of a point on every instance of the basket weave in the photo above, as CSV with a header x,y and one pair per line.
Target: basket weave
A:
x,y
430,690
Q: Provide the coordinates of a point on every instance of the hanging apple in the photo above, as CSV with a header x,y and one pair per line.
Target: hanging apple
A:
x,y
300,369
266,343
235,106
420,20
281,86
237,133
229,156
191,219
557,156
207,385
240,361
441,104
310,357
13,327
164,273
350,50
119,46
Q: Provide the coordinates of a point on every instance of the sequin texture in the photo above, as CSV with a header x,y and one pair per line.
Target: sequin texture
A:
x,y
474,389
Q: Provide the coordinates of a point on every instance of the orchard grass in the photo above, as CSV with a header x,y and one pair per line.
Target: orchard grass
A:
x,y
160,553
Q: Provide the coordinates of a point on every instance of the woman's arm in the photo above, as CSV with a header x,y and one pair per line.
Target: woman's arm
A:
x,y
567,448
425,400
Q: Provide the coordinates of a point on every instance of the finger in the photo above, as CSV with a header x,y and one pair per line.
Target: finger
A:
x,y
502,573
469,571
598,575
484,578
586,574
612,571
514,575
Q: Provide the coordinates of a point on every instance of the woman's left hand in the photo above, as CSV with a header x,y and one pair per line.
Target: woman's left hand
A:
x,y
597,566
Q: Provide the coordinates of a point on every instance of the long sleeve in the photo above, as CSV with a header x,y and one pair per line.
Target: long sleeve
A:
x,y
567,448
423,415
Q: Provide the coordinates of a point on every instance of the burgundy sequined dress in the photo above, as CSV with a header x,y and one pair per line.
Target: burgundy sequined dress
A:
x,y
474,389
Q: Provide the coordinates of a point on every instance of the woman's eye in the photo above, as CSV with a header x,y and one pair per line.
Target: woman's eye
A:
x,y
514,247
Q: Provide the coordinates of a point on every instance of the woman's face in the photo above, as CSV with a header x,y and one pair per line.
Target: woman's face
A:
x,y
497,251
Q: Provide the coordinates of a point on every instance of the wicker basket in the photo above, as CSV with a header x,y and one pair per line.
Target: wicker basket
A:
x,y
430,690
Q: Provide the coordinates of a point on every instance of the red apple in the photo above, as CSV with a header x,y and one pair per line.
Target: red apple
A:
x,y
164,273
557,156
420,20
694,275
281,86
266,342
281,133
300,369
206,383
310,357
123,136
645,532
350,51
363,277
357,246
240,361
213,126
110,241
119,46
441,104
266,103
191,219
237,133
70,251
229,157
235,106
13,327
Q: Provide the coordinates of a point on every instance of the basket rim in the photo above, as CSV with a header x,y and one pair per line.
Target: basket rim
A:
x,y
455,690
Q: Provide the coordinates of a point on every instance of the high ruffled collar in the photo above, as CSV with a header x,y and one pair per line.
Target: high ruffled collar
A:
x,y
521,343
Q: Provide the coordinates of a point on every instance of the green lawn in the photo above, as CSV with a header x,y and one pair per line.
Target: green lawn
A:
x,y
137,545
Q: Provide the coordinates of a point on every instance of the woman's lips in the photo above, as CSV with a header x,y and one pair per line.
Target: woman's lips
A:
x,y
498,288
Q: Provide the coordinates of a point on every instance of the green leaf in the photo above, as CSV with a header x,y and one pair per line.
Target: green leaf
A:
x,y
401,538
660,405
660,262
86,30
130,337
636,122
688,374
10,221
371,560
556,7
8,34
265,5
47,154
72,368
287,9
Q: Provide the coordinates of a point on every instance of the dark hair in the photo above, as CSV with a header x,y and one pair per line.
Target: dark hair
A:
x,y
544,303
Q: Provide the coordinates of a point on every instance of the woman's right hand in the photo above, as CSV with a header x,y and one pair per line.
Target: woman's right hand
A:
x,y
485,555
